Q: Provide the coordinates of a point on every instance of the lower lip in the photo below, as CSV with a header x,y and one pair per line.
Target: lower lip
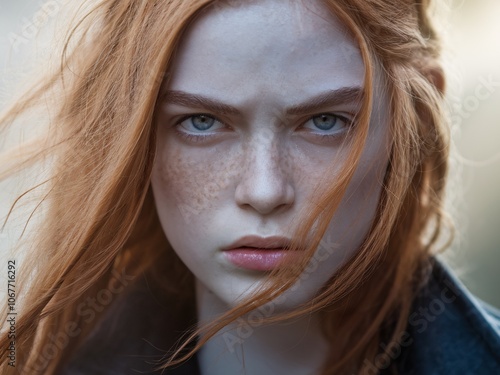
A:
x,y
256,259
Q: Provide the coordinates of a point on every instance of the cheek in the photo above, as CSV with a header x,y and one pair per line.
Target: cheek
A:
x,y
358,208
193,180
361,199
315,169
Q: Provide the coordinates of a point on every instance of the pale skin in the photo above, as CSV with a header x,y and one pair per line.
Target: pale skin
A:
x,y
265,151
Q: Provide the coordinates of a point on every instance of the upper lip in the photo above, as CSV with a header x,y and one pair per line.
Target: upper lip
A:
x,y
274,242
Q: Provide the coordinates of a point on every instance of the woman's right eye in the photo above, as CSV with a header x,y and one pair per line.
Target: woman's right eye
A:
x,y
199,127
198,123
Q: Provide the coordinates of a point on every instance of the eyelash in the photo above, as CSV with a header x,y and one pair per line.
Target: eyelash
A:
x,y
195,138
192,137
201,138
348,124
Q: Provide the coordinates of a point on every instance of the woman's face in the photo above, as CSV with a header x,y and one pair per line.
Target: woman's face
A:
x,y
250,130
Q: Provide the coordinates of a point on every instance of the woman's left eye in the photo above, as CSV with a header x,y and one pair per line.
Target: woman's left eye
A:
x,y
327,122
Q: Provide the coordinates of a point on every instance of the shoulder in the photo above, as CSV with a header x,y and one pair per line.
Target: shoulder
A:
x,y
133,337
449,330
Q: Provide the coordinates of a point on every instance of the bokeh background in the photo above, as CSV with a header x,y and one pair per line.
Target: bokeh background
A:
x,y
471,30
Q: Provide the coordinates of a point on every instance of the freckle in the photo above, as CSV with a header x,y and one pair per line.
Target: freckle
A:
x,y
197,179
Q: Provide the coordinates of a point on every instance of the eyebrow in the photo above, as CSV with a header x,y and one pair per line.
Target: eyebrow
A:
x,y
343,95
198,101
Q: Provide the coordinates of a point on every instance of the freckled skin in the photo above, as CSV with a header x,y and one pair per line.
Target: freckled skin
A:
x,y
186,178
261,169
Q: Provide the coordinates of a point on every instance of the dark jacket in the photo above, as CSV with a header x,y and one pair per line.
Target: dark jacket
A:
x,y
449,332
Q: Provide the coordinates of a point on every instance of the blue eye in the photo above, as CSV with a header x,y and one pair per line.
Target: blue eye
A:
x,y
328,126
202,122
198,127
325,121
199,123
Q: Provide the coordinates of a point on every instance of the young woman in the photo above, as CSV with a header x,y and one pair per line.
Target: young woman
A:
x,y
245,187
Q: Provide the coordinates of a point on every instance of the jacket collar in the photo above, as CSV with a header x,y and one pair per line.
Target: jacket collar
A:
x,y
449,331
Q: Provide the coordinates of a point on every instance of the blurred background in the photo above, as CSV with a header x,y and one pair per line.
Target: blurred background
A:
x,y
472,34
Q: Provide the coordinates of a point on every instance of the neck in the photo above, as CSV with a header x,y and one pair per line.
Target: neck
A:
x,y
249,347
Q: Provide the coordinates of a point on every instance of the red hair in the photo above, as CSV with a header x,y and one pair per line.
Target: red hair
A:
x,y
103,145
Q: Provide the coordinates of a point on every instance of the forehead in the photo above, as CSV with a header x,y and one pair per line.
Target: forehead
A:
x,y
265,46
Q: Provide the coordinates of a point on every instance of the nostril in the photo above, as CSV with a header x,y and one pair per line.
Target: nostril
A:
x,y
264,190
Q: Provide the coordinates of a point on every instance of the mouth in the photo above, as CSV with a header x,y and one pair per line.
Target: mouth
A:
x,y
274,242
257,253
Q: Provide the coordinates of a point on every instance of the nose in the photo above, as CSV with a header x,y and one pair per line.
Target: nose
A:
x,y
265,183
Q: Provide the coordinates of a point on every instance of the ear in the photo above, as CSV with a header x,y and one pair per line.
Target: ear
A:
x,y
436,77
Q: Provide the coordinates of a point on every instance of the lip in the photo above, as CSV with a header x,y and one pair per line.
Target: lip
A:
x,y
262,243
258,253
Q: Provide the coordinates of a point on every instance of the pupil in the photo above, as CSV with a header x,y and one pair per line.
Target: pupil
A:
x,y
325,122
202,122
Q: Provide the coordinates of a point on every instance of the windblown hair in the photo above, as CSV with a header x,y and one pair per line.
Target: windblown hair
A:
x,y
101,218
